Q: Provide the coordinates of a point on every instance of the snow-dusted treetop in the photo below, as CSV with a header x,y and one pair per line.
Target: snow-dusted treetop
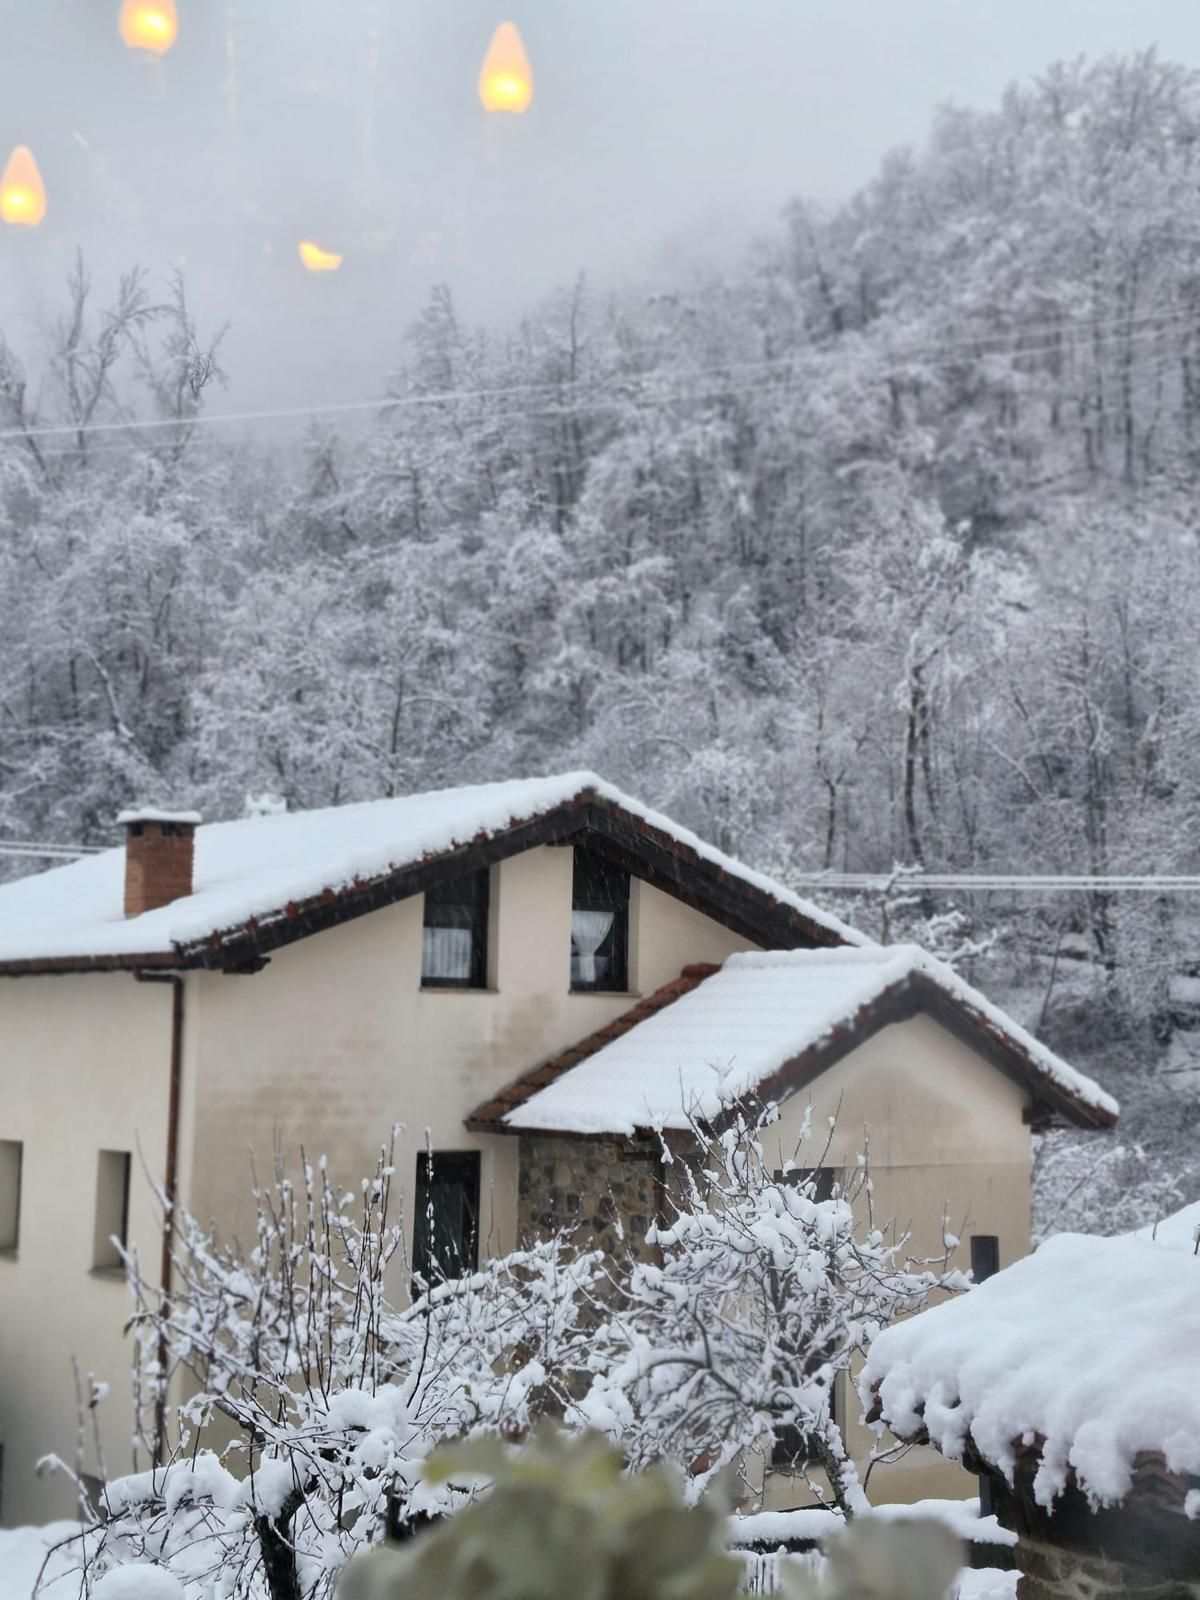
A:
x,y
764,1024
1080,1359
262,869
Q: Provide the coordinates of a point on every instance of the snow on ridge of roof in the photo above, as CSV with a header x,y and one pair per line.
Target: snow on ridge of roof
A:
x,y
725,1038
1089,1345
254,867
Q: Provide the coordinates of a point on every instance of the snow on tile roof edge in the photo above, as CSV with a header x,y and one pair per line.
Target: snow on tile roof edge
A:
x,y
217,910
583,1100
900,960
1074,1364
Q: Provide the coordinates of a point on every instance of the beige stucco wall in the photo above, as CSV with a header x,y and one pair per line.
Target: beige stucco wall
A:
x,y
332,1043
336,1040
84,1063
946,1138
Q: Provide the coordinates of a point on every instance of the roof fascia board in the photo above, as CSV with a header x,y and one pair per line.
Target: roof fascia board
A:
x,y
681,872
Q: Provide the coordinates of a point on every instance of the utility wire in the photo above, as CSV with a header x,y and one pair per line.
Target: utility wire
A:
x,y
1030,883
1033,883
944,354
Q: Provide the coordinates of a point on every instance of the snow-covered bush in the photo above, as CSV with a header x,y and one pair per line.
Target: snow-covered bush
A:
x,y
764,1293
311,1403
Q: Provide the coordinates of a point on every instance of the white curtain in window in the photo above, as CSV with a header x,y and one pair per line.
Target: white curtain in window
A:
x,y
589,929
446,953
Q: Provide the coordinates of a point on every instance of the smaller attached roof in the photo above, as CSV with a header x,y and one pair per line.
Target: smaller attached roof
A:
x,y
763,1025
1077,1364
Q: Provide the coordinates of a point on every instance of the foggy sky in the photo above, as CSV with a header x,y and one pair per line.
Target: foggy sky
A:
x,y
659,128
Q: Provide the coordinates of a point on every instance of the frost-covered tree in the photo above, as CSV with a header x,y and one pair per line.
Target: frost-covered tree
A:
x,y
285,1408
764,1292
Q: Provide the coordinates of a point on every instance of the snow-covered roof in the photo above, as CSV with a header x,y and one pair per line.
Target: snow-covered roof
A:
x,y
257,871
729,1036
1178,1232
1081,1358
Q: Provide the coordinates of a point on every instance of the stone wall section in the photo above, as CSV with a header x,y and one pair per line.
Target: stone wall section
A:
x,y
606,1191
1050,1572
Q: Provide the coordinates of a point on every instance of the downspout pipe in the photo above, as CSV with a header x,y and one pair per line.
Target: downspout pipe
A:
x,y
170,1191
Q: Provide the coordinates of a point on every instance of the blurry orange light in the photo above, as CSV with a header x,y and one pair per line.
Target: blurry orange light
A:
x,y
149,25
22,192
506,80
317,260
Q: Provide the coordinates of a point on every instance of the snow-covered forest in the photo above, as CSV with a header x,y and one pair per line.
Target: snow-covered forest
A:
x,y
881,548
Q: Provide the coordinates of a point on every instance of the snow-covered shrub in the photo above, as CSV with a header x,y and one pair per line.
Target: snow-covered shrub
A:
x,y
311,1403
765,1292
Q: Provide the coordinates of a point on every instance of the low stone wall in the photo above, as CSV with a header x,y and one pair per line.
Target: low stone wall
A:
x,y
1145,1549
1054,1572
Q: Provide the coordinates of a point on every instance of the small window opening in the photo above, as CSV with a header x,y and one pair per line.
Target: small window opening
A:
x,y
823,1180
11,1152
454,943
599,924
112,1209
795,1448
985,1256
445,1216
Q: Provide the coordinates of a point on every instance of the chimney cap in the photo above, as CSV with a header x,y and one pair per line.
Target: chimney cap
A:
x,y
189,819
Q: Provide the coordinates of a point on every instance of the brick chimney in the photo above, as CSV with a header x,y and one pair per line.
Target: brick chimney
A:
x,y
159,848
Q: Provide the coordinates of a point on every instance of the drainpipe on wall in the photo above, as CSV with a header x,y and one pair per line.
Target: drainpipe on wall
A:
x,y
170,1192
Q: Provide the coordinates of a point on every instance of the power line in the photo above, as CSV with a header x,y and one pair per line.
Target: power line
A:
x,y
986,882
48,852
1030,883
943,354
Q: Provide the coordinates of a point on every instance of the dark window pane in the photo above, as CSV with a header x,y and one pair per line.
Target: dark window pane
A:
x,y
599,924
822,1179
454,939
985,1256
794,1447
445,1216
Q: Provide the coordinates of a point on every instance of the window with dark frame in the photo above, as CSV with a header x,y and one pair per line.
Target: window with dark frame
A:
x,y
823,1179
599,924
445,1216
794,1447
11,1155
454,945
985,1256
112,1209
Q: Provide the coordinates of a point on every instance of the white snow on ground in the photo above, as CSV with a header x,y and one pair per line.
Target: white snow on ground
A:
x,y
733,1031
22,1552
253,868
988,1583
1090,1344
815,1522
960,1516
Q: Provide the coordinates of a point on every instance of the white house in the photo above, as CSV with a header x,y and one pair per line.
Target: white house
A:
x,y
499,969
